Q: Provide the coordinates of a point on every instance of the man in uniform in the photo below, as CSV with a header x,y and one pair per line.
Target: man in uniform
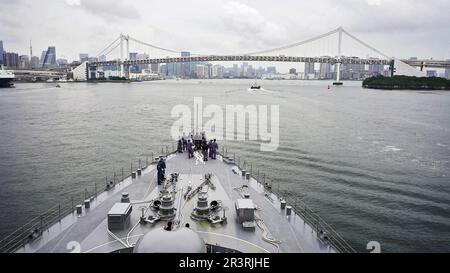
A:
x,y
161,167
190,149
214,148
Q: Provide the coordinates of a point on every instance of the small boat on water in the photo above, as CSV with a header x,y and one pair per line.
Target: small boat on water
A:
x,y
58,86
255,86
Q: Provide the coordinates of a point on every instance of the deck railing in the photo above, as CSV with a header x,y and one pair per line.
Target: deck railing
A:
x,y
324,230
35,227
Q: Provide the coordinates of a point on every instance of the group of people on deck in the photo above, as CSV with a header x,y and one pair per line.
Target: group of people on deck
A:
x,y
198,142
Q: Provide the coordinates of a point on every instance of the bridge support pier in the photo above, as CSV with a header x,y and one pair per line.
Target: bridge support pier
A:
x,y
338,65
121,55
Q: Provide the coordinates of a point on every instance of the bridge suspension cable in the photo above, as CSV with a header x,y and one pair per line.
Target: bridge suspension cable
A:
x,y
116,46
294,44
106,48
153,46
365,44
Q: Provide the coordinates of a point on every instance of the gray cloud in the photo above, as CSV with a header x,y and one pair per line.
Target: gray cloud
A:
x,y
250,26
109,10
399,27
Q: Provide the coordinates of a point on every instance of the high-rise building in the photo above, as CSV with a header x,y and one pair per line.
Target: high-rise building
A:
x,y
62,62
1,52
325,70
11,60
134,68
24,62
34,62
154,68
50,58
217,71
41,60
143,56
271,70
309,68
84,57
163,69
102,58
92,59
185,68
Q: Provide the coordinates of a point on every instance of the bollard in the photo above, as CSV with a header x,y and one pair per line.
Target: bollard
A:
x,y
125,197
283,204
133,175
288,210
79,209
87,203
139,171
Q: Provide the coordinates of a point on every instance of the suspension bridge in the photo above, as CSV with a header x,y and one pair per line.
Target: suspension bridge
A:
x,y
337,47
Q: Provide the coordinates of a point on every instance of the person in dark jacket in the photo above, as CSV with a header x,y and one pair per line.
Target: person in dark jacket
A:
x,y
204,148
210,146
190,148
184,142
214,148
161,167
180,146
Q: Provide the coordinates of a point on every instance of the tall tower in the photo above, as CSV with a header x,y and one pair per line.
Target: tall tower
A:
x,y
31,50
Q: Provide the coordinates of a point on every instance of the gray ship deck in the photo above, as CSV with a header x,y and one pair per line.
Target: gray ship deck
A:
x,y
88,232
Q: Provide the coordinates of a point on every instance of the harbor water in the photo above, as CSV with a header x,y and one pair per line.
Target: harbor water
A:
x,y
373,164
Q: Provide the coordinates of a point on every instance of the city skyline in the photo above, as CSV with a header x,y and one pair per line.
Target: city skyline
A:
x,y
92,24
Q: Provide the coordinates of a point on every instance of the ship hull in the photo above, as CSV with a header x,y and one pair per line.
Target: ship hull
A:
x,y
6,82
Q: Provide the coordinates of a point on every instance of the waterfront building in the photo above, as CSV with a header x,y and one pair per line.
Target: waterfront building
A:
x,y
447,72
271,70
432,73
80,73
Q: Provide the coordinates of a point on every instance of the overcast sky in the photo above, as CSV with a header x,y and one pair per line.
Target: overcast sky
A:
x,y
400,28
